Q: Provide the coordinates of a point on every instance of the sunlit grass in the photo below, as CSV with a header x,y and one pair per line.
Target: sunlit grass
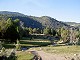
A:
x,y
24,55
62,49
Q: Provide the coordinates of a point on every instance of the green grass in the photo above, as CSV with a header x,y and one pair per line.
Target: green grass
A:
x,y
34,43
44,45
24,55
28,43
62,49
8,46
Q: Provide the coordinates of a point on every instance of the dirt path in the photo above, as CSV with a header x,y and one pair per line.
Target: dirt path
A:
x,y
48,56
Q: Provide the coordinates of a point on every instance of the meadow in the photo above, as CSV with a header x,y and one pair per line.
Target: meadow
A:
x,y
42,45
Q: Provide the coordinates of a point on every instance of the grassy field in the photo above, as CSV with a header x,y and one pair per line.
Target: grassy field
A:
x,y
29,43
23,55
34,42
43,45
60,49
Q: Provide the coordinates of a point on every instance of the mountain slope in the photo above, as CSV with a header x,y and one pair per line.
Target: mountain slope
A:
x,y
73,24
50,22
35,22
11,13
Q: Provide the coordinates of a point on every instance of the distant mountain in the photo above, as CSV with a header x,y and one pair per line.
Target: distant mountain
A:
x,y
73,24
11,13
35,22
49,21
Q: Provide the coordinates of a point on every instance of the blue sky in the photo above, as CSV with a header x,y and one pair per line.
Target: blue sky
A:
x,y
62,10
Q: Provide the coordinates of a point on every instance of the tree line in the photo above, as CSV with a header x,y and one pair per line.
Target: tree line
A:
x,y
70,36
11,30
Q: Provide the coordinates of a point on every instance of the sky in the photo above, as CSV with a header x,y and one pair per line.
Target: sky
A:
x,y
61,10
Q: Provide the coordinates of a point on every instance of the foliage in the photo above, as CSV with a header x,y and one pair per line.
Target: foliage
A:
x,y
34,30
3,26
59,32
47,31
53,32
25,32
3,52
78,37
30,30
18,46
11,34
11,30
3,49
74,36
12,27
7,54
65,35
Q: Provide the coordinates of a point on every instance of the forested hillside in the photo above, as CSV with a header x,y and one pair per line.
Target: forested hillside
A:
x,y
34,22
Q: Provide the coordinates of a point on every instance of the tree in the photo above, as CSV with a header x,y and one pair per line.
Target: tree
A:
x,y
9,30
0,28
59,32
3,27
30,30
25,32
47,31
0,45
41,31
78,38
18,46
9,22
53,32
11,34
34,30
17,26
74,36
0,31
16,21
64,35
0,35
38,30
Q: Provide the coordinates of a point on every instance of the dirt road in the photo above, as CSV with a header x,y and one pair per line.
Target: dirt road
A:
x,y
48,56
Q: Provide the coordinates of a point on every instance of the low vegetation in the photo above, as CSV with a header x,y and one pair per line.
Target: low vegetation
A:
x,y
23,55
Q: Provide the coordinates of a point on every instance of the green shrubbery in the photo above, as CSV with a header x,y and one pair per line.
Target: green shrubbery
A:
x,y
18,46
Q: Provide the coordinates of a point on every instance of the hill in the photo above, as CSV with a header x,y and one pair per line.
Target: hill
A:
x,y
34,22
74,24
